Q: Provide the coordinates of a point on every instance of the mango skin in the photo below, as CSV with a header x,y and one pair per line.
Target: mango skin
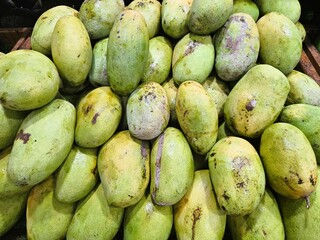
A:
x,y
28,80
46,133
197,215
256,101
171,90
128,37
246,6
289,161
302,30
237,175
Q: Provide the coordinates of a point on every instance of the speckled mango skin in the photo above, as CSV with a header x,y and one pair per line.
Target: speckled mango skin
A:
x,y
237,47
289,161
246,6
237,175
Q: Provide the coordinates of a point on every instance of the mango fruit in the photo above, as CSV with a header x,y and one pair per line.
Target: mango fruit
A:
x,y
171,90
246,6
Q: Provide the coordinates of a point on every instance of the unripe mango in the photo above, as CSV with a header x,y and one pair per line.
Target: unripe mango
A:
x,y
246,6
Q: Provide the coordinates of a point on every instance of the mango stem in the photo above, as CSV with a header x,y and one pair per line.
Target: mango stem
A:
x,y
307,202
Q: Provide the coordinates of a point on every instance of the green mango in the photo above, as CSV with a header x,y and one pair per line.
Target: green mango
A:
x,y
246,6
197,215
256,101
94,218
28,80
172,167
197,115
171,90
124,169
46,133
128,37
71,50
46,217
224,131
237,175
2,54
98,116
289,161
302,30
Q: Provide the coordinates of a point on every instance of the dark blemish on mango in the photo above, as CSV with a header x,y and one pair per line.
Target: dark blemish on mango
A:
x,y
239,162
87,109
225,196
212,154
185,113
140,4
130,196
94,119
191,47
312,180
240,185
158,161
196,216
251,105
23,136
264,232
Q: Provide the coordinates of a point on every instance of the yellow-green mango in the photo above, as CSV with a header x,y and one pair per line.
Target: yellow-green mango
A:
x,y
46,217
43,141
237,175
78,174
280,42
158,66
28,80
128,49
124,169
246,6
94,218
98,16
193,58
2,54
148,111
289,161
207,16
264,222
302,30
256,100
197,215
174,17
98,116
71,50
147,220
43,27
172,167
171,90
197,115
237,46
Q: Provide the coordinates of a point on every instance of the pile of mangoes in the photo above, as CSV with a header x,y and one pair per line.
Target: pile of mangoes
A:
x,y
180,119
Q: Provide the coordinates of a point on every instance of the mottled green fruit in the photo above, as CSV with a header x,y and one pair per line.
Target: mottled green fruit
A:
x,y
158,65
280,42
148,111
46,133
192,58
289,161
302,30
256,101
28,80
246,6
71,50
224,131
147,220
172,167
197,215
43,27
2,54
124,169
128,49
98,16
207,16
174,17
46,217
303,89
98,116
237,175
264,222
171,90
237,46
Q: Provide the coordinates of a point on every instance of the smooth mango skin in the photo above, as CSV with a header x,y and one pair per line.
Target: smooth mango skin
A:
x,y
207,16
46,217
197,115
98,116
147,220
246,6
256,101
172,167
237,175
46,133
197,215
128,49
280,42
305,117
98,16
94,218
78,174
302,30
174,17
28,80
43,27
289,161
171,90
193,58
124,169
264,222
71,50
237,46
